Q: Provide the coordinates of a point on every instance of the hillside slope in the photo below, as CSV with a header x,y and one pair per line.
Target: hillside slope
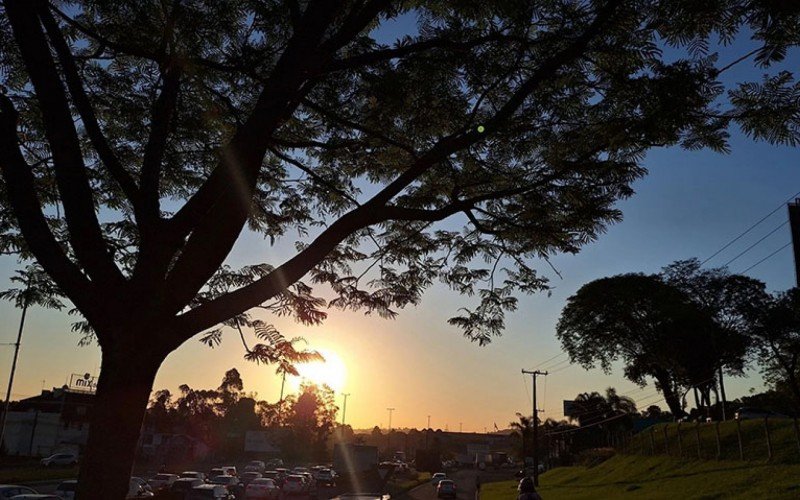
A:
x,y
661,477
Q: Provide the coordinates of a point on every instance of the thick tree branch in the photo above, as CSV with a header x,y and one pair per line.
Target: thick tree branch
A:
x,y
376,209
21,189
86,110
86,237
160,121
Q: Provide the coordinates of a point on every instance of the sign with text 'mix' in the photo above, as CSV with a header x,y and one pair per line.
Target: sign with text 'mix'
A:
x,y
85,382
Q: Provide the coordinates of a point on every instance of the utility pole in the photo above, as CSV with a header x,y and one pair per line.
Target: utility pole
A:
x,y
460,427
389,436
13,367
344,406
533,375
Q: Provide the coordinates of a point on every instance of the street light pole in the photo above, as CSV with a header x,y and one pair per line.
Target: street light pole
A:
x,y
344,407
389,436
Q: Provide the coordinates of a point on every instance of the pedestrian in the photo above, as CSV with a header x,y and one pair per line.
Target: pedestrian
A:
x,y
527,491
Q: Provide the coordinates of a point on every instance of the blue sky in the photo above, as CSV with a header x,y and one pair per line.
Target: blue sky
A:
x,y
689,205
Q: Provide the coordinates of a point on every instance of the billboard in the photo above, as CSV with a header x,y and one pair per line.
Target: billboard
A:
x,y
569,408
83,383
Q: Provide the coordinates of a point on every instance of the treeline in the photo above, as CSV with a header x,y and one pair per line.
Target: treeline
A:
x,y
687,328
301,425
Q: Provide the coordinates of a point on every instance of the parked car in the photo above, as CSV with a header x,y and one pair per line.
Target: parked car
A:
x,y
295,485
194,475
756,413
10,490
255,466
184,485
67,459
439,476
162,481
209,491
66,489
262,488
326,477
446,489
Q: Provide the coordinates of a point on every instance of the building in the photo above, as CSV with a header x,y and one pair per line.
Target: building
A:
x,y
56,420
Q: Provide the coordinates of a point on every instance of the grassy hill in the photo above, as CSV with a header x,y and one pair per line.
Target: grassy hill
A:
x,y
662,477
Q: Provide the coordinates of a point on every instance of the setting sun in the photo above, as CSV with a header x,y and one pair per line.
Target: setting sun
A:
x,y
332,371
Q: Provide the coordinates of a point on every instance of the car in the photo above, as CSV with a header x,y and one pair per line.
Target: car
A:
x,y
66,459
141,482
66,489
138,488
190,474
209,491
161,481
262,488
274,462
446,489
224,480
326,477
311,483
35,496
747,413
255,466
11,490
299,470
439,476
184,484
295,484
247,477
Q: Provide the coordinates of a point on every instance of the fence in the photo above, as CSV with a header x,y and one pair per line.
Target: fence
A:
x,y
774,439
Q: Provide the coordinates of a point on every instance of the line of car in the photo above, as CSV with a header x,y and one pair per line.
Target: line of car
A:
x,y
221,483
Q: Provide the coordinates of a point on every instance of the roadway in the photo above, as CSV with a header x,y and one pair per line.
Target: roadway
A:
x,y
465,484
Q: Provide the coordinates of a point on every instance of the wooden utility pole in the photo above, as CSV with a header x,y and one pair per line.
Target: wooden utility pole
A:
x,y
344,406
533,375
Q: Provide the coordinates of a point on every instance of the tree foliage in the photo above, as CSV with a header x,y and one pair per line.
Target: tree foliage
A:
x,y
138,140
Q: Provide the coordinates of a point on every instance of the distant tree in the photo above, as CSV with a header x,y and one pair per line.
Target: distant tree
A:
x,y
649,325
522,429
777,340
592,408
161,414
185,122
727,298
311,419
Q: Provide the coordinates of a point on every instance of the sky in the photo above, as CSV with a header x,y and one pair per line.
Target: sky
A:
x,y
689,205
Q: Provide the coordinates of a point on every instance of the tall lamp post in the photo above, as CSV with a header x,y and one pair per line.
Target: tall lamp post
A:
x,y
344,406
389,436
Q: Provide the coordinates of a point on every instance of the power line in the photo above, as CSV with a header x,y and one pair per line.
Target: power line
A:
x,y
751,228
756,243
550,359
767,257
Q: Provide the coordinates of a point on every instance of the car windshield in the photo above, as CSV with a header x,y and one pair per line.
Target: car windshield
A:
x,y
221,480
263,482
189,474
163,477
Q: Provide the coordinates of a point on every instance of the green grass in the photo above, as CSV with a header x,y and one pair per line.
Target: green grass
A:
x,y
396,487
661,477
754,442
36,473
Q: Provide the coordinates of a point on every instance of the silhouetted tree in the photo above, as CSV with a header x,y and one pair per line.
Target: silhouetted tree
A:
x,y
186,122
311,420
649,325
777,340
727,298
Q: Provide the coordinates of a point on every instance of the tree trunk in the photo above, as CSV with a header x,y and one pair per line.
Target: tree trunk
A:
x,y
722,395
670,396
126,379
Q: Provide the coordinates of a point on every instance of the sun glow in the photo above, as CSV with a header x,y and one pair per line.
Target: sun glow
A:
x,y
332,371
